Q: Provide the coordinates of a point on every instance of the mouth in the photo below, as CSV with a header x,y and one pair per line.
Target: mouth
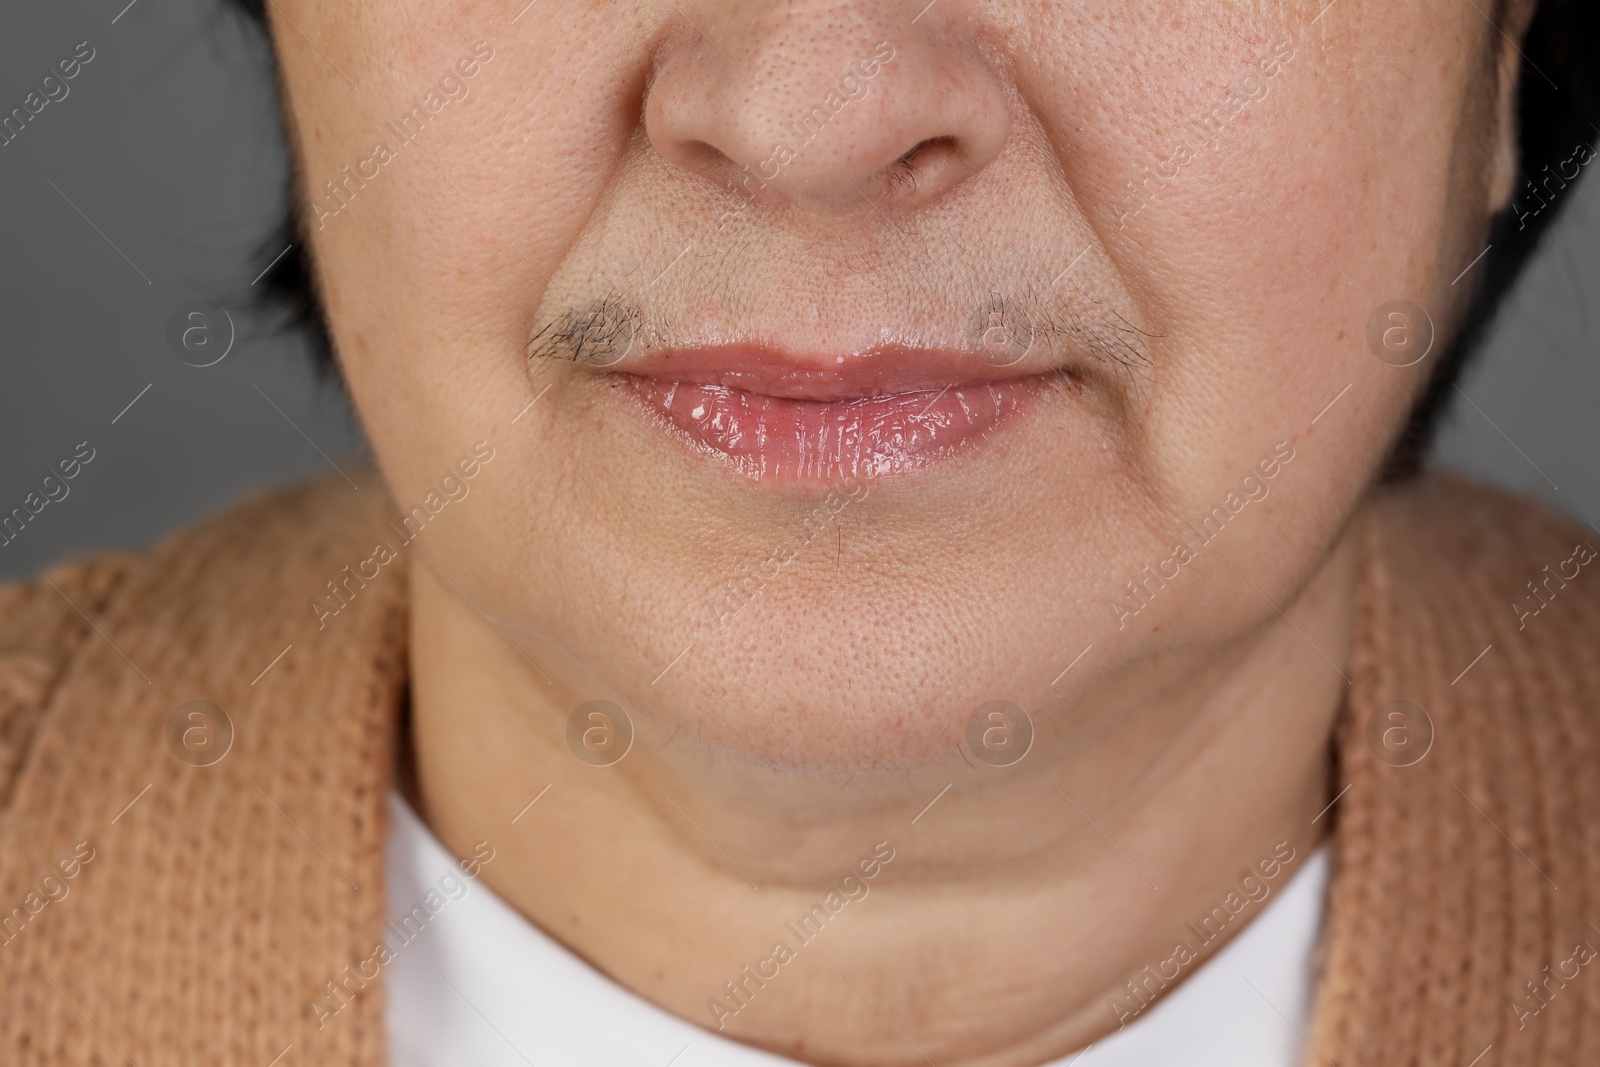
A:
x,y
782,417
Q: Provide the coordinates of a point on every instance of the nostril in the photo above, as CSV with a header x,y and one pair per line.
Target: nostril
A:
x,y
931,144
901,175
926,157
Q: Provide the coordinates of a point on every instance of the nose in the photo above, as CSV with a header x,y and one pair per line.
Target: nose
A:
x,y
825,104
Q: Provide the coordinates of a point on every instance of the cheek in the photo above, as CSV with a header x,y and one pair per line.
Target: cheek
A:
x,y
1261,260
434,265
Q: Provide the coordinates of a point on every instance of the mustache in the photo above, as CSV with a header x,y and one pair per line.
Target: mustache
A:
x,y
1002,329
598,334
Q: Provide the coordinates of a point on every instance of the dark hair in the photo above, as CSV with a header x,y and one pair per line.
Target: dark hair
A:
x,y
1558,104
288,289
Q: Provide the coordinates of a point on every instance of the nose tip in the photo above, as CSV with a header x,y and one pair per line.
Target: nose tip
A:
x,y
825,119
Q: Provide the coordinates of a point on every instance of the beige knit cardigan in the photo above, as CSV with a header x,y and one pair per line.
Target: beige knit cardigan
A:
x,y
218,900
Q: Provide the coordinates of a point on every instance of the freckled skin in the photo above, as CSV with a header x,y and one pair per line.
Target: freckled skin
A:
x,y
602,152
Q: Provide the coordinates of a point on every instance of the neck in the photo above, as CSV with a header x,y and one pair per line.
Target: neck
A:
x,y
854,915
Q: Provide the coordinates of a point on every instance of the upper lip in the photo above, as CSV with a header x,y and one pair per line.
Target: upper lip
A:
x,y
881,371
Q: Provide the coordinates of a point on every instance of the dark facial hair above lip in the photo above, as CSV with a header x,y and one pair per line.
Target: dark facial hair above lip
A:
x,y
600,334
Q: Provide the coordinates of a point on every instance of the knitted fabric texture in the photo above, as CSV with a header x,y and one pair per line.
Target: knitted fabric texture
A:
x,y
218,901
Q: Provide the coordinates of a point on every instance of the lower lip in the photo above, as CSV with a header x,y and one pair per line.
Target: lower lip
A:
x,y
777,438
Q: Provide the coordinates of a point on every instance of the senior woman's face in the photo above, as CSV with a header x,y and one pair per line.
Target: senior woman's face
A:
x,y
1032,300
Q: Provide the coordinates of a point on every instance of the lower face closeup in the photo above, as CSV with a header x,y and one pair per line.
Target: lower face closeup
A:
x,y
850,366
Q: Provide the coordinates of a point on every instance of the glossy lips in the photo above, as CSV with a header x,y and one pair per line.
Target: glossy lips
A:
x,y
885,412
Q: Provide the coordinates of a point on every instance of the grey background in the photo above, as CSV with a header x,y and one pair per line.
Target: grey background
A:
x,y
168,145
